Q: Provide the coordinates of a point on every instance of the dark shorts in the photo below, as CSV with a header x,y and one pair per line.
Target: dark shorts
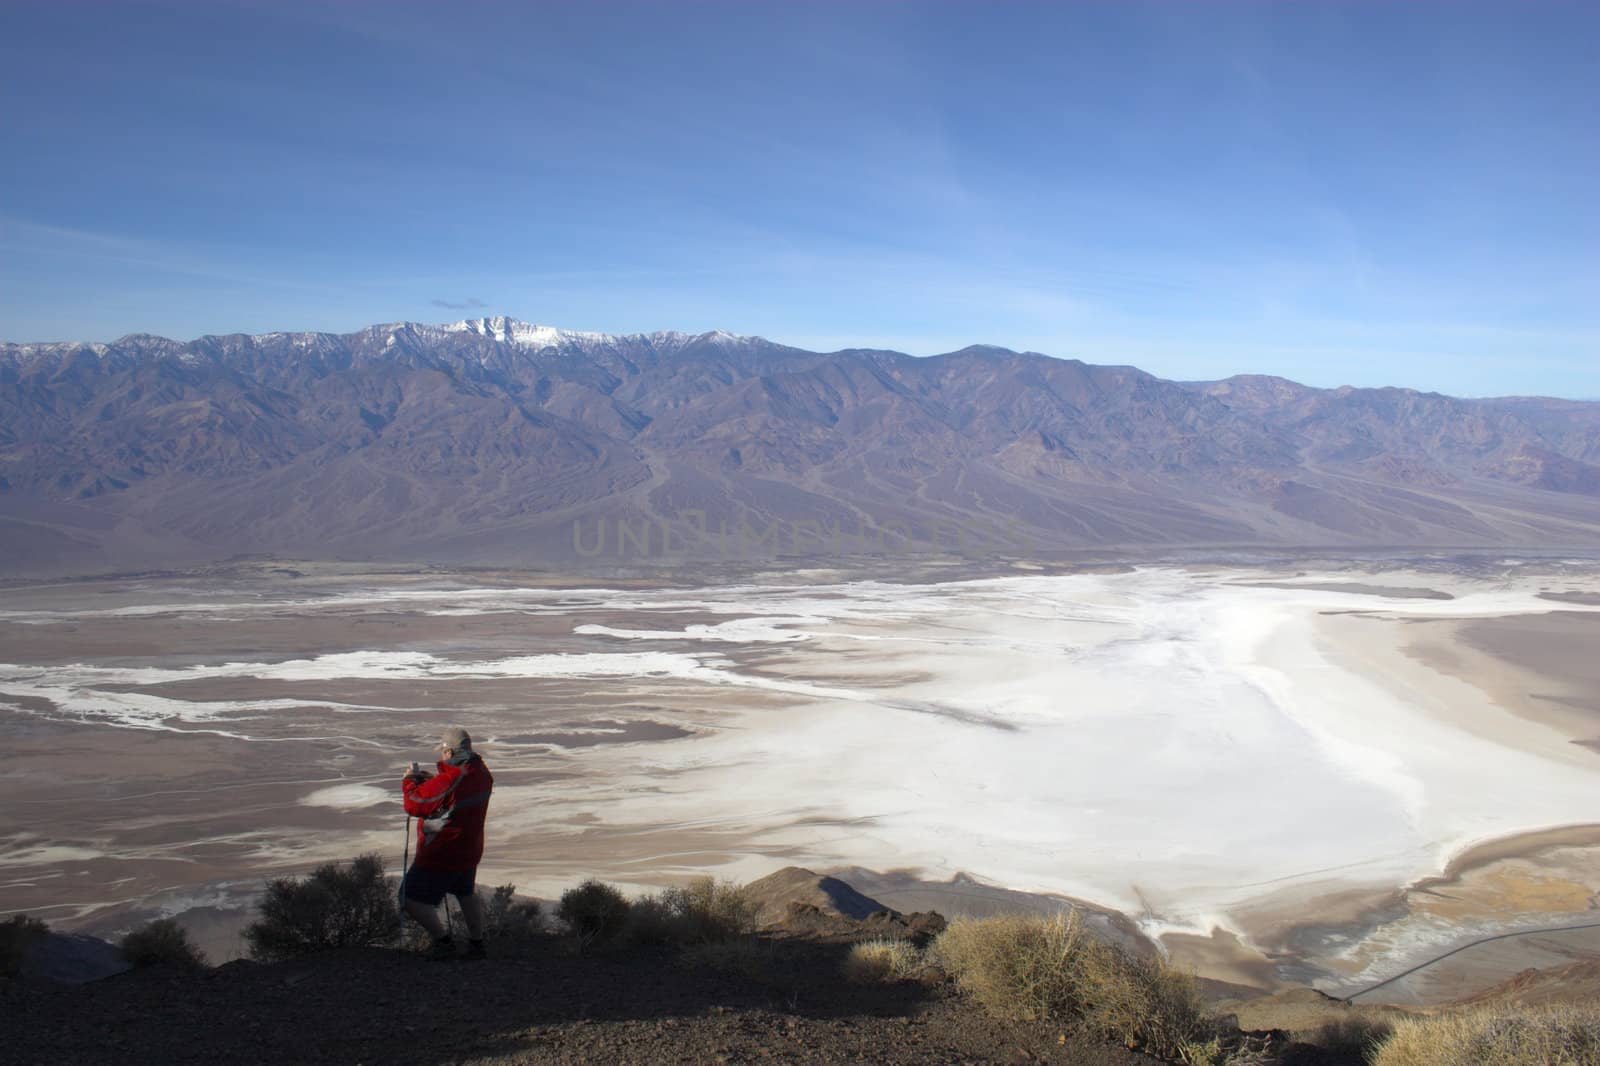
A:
x,y
428,887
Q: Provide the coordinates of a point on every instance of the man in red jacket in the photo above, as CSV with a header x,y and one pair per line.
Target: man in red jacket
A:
x,y
450,807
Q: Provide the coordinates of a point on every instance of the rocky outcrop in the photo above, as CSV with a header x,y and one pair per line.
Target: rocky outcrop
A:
x,y
795,900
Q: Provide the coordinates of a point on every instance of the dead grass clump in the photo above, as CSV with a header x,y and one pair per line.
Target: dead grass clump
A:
x,y
1496,1036
1015,966
1032,968
1146,1003
162,942
882,961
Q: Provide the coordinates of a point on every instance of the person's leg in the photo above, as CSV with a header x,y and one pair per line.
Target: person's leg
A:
x,y
427,916
421,891
465,891
472,911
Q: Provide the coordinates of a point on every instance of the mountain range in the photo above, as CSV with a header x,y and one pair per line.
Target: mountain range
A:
x,y
493,441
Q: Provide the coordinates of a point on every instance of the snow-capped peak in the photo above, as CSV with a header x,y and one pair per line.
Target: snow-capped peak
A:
x,y
503,329
673,339
509,330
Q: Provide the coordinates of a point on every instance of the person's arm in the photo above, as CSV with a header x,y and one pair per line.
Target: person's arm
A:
x,y
425,797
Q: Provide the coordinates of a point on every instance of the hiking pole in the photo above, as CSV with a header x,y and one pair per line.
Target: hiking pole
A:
x,y
405,862
405,854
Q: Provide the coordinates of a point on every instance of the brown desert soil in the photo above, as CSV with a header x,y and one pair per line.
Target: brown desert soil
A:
x,y
642,1006
538,1003
1520,845
1307,1012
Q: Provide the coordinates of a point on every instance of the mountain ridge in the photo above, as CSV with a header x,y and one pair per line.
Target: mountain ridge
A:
x,y
533,336
493,440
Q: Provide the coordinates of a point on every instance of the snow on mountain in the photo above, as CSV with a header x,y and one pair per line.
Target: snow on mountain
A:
x,y
508,330
502,329
487,438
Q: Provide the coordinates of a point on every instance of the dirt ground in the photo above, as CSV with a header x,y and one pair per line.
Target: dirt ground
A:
x,y
537,1004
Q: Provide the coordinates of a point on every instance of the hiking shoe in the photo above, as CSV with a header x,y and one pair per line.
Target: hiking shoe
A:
x,y
442,949
475,950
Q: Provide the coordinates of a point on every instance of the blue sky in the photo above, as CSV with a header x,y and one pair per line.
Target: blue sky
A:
x,y
1367,192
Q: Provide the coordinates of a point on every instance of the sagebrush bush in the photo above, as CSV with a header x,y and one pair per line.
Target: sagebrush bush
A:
x,y
1032,968
162,942
702,912
507,918
17,934
707,910
875,961
1496,1036
338,906
595,911
650,921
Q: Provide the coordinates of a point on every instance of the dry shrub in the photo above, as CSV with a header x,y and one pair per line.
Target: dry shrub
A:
x,y
882,961
650,921
336,907
507,918
17,935
1016,966
1206,1053
162,942
704,911
594,911
1144,1002
1354,1038
1496,1036
1032,968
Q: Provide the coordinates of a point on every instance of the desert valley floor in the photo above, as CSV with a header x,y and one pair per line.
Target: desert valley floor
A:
x,y
1312,772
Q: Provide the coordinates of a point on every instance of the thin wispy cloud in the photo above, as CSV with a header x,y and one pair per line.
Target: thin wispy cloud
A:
x,y
27,238
471,303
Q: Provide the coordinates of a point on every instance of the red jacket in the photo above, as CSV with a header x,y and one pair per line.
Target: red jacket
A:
x,y
451,807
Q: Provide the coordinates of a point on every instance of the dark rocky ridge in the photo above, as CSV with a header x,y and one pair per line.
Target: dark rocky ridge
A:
x,y
487,441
